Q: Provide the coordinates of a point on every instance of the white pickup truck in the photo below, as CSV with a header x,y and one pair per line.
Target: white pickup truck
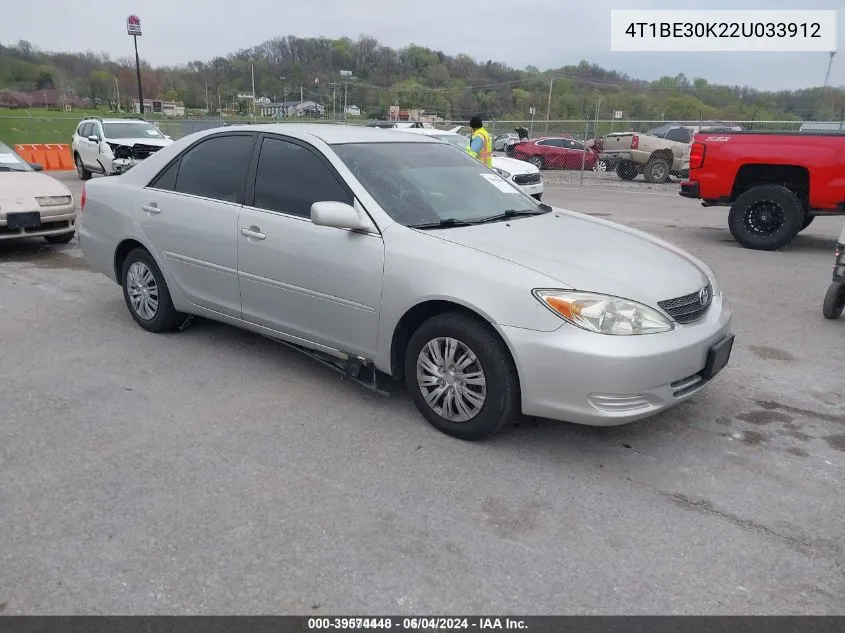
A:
x,y
658,154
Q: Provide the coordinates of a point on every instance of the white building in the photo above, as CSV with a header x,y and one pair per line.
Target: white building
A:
x,y
157,106
287,109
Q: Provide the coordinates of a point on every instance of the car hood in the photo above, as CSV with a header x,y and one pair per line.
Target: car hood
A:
x,y
155,142
20,186
585,253
513,166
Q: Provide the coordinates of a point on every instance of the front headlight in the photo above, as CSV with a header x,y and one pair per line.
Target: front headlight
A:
x,y
501,172
53,201
604,314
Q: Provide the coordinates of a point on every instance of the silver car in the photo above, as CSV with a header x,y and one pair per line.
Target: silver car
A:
x,y
393,254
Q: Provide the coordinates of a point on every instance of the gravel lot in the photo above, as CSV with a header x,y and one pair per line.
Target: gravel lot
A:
x,y
214,472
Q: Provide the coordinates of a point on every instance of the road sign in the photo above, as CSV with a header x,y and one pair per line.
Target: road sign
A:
x,y
617,114
532,111
133,25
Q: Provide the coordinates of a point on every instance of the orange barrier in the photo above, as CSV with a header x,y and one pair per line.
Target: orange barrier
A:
x,y
51,156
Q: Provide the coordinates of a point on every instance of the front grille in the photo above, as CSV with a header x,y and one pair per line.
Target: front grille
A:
x,y
527,179
688,308
140,151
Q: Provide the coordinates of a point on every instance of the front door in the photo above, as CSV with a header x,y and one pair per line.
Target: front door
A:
x,y
316,283
189,214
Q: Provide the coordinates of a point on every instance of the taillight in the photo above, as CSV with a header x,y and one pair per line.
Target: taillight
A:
x,y
696,155
82,199
635,142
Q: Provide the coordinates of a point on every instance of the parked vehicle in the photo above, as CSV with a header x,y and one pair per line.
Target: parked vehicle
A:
x,y
33,204
658,154
521,135
393,254
501,141
559,152
834,300
524,175
113,146
775,183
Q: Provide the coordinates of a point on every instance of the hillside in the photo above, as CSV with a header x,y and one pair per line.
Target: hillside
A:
x,y
412,77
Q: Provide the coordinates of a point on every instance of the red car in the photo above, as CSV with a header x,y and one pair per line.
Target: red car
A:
x,y
775,183
557,152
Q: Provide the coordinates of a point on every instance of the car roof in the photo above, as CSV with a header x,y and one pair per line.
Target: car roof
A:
x,y
334,133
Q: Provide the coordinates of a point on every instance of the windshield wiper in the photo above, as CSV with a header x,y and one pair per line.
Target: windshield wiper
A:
x,y
510,213
441,224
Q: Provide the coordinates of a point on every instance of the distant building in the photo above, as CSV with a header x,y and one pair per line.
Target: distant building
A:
x,y
288,109
353,110
823,126
157,106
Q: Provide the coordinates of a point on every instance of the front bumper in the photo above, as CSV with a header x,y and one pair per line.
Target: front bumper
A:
x,y
599,380
532,190
54,221
689,189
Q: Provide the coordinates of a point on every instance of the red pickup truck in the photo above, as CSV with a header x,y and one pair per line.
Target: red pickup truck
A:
x,y
774,182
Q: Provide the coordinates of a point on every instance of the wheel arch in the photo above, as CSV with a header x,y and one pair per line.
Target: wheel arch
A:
x,y
794,177
123,249
418,314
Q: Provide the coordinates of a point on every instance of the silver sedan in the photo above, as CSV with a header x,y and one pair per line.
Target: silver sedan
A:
x,y
396,256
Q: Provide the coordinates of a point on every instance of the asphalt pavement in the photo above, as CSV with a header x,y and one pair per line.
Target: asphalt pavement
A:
x,y
215,472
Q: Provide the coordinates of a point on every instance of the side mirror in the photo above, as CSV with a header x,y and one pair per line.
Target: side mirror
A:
x,y
94,138
37,166
340,216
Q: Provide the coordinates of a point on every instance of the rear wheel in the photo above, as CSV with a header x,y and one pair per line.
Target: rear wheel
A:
x,y
834,301
81,170
766,217
461,376
657,170
537,161
626,170
147,296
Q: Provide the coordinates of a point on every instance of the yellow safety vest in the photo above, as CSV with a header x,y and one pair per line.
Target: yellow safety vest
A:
x,y
486,153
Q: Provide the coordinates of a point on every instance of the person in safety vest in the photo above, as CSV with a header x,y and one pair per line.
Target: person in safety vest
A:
x,y
480,144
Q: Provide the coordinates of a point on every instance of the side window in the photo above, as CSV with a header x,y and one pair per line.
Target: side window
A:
x,y
86,130
97,130
216,168
166,179
680,134
576,146
290,178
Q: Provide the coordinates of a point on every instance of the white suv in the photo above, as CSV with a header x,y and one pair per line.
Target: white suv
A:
x,y
111,146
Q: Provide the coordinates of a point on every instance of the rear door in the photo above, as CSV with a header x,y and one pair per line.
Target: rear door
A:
x,y
554,153
189,214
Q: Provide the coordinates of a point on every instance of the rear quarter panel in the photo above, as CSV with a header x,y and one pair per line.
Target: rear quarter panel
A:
x,y
725,154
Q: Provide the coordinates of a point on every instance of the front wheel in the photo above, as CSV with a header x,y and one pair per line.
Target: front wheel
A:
x,y
834,300
600,166
461,376
766,217
146,294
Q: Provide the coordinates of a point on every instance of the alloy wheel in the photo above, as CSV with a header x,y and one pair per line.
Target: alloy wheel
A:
x,y
451,379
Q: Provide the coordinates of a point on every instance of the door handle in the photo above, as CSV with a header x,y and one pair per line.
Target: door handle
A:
x,y
254,233
151,208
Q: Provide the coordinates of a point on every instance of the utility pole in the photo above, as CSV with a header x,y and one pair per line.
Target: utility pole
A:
x,y
346,74
586,135
826,79
117,94
252,69
549,106
207,109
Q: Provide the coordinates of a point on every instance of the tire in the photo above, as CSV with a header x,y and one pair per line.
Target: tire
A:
x,y
766,217
626,170
81,170
657,170
834,300
494,405
64,238
537,161
164,318
600,166
808,220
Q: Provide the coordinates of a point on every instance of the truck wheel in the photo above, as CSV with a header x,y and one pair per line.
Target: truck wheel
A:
x,y
657,170
626,170
834,301
766,217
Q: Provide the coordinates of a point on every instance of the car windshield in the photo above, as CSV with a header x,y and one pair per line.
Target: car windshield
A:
x,y
131,129
10,160
429,183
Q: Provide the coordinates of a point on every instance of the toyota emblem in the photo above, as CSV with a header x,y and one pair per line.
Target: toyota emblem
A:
x,y
704,296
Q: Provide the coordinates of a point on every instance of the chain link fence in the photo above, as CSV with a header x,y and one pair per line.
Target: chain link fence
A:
x,y
568,152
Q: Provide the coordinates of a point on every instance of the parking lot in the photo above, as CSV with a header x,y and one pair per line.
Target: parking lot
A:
x,y
215,472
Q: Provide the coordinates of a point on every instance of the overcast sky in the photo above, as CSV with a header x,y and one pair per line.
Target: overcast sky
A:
x,y
543,33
